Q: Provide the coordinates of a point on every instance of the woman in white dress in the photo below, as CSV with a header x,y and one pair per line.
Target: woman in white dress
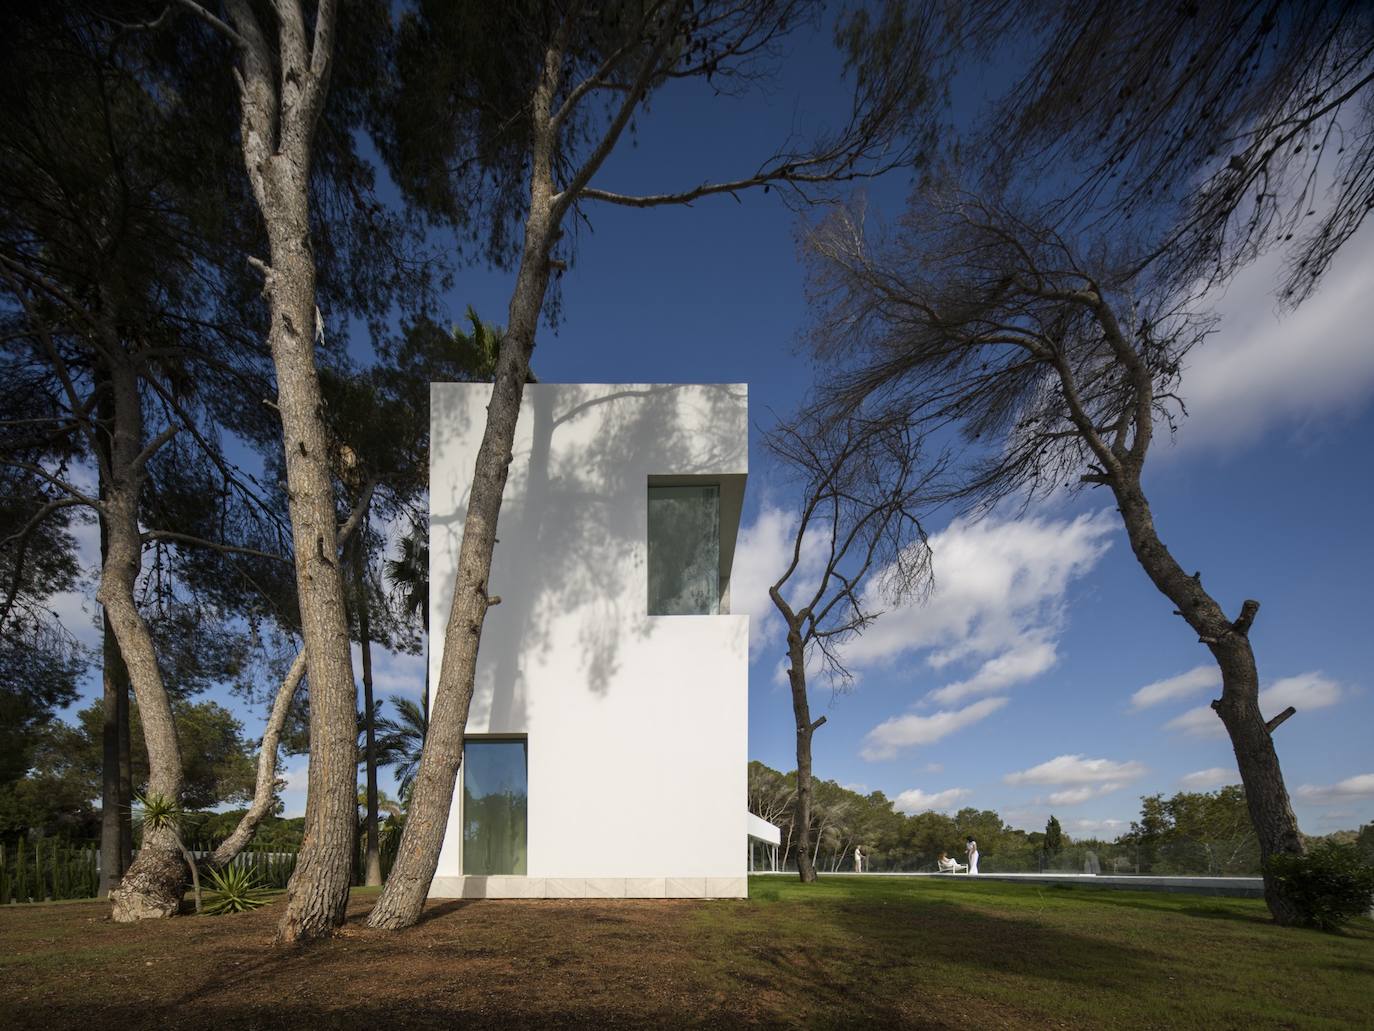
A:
x,y
972,855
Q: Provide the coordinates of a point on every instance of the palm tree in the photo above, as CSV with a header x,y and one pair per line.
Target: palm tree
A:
x,y
401,740
408,575
390,806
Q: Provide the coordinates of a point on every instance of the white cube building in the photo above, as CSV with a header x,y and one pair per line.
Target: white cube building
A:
x,y
606,750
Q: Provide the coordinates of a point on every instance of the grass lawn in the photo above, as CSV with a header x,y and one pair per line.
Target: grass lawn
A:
x,y
849,951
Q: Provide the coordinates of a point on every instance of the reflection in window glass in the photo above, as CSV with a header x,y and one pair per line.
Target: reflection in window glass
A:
x,y
495,807
684,551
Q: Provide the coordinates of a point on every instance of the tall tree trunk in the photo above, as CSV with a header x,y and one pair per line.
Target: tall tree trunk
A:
x,y
431,799
116,847
1271,812
318,890
801,710
154,883
112,803
373,859
126,774
281,95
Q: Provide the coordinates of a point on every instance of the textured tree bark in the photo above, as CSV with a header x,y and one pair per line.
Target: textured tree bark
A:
x,y
111,823
1266,795
417,858
126,776
801,710
153,885
318,891
1121,462
372,862
116,852
431,799
276,128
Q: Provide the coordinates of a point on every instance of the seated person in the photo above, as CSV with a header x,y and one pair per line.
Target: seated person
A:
x,y
948,865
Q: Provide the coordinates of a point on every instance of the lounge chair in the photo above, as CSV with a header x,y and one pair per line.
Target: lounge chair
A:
x,y
951,866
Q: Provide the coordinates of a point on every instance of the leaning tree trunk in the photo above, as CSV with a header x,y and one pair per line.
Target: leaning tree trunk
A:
x,y
1271,813
113,678
264,792
126,777
155,882
116,853
801,709
431,799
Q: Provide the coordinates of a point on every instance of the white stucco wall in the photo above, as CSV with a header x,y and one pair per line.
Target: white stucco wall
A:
x,y
637,725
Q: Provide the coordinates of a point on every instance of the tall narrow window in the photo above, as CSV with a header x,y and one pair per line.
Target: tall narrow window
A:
x,y
495,807
684,551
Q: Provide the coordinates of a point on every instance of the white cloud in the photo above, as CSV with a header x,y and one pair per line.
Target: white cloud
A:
x,y
393,672
1213,777
917,801
1260,370
999,599
1074,769
1360,786
1199,722
398,673
1086,826
999,590
762,554
1077,796
1196,679
886,739
295,772
1021,663
1304,692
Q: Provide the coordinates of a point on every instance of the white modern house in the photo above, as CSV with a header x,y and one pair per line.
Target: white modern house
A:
x,y
606,750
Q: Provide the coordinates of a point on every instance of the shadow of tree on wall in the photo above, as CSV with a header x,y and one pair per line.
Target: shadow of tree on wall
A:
x,y
575,534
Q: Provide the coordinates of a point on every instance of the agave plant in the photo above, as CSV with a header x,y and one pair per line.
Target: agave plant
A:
x,y
161,813
234,889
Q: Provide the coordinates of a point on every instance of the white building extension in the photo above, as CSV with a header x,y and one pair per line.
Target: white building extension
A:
x,y
606,751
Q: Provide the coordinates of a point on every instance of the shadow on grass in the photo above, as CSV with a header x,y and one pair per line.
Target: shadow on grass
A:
x,y
907,961
1176,904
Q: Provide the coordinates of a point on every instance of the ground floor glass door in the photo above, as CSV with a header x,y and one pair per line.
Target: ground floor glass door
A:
x,y
495,807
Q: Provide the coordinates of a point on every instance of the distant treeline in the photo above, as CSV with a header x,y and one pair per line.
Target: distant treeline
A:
x,y
1188,833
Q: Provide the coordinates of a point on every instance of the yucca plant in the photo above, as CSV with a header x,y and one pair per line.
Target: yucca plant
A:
x,y
158,812
234,889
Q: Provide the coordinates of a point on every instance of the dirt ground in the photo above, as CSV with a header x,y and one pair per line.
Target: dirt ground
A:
x,y
476,964
848,952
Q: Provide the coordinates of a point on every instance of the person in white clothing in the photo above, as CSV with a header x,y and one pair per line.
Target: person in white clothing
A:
x,y
858,860
972,855
947,865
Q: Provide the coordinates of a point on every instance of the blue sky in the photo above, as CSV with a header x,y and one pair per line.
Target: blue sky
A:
x,y
1012,688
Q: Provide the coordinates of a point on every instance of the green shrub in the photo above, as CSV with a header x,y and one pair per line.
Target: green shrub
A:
x,y
1330,885
234,889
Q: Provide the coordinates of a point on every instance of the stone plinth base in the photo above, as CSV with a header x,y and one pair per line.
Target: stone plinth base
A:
x,y
473,887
